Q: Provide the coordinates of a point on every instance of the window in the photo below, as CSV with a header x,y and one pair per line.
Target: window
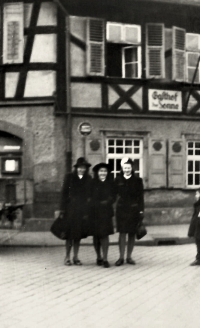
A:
x,y
191,63
192,57
193,163
119,148
123,50
131,62
11,165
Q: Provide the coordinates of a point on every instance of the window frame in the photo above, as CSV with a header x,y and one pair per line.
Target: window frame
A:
x,y
191,158
119,156
138,62
190,67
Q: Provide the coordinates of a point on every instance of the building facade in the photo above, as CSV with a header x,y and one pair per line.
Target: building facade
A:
x,y
32,87
123,70
131,79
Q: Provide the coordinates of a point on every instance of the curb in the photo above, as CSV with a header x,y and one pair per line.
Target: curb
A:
x,y
173,241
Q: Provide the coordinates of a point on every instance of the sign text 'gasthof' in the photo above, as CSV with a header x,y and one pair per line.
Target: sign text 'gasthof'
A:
x,y
165,100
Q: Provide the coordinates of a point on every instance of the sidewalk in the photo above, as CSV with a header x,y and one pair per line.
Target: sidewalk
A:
x,y
157,236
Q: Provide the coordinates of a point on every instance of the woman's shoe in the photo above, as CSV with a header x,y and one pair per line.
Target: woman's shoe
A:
x,y
106,264
130,261
67,262
119,262
99,262
77,262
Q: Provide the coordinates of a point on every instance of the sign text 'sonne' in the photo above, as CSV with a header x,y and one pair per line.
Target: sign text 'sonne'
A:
x,y
165,100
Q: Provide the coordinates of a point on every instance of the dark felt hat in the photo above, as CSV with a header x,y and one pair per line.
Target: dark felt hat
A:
x,y
81,161
97,167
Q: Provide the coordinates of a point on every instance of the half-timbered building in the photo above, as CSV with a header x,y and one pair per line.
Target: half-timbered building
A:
x,y
134,78
32,86
126,71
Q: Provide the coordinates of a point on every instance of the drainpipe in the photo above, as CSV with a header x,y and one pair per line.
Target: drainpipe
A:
x,y
68,90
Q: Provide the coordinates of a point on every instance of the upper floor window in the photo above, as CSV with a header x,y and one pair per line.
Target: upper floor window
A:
x,y
165,52
192,57
123,50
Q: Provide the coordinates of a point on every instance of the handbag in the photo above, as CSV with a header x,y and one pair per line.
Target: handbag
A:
x,y
58,228
141,231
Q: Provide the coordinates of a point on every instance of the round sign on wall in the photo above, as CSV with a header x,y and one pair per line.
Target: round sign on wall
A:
x,y
85,128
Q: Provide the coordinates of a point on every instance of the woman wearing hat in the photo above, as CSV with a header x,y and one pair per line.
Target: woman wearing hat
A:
x,y
130,207
74,207
102,199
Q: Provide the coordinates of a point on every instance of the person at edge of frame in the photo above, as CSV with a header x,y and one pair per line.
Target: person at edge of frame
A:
x,y
194,227
102,199
75,207
129,209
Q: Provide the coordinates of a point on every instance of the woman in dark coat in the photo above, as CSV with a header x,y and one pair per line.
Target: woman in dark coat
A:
x,y
102,199
74,207
130,208
194,228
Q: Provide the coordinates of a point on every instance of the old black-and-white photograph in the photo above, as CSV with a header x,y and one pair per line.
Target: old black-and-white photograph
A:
x,y
99,163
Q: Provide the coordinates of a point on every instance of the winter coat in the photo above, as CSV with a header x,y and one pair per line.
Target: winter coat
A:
x,y
102,199
194,227
74,204
130,203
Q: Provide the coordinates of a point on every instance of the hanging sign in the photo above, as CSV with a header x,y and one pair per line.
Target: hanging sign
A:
x,y
85,128
165,100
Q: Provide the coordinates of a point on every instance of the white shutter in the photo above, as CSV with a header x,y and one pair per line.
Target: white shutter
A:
x,y
114,32
132,34
178,54
192,42
157,163
95,47
155,40
177,160
13,32
191,64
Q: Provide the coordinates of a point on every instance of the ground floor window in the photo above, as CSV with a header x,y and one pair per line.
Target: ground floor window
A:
x,y
193,163
117,148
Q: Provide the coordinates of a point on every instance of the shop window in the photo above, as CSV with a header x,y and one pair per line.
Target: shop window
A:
x,y
10,154
123,50
11,165
193,163
119,148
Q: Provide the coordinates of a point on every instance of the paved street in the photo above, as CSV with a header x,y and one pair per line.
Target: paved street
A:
x,y
37,290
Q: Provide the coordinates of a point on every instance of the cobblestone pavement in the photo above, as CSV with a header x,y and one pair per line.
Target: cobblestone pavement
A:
x,y
37,290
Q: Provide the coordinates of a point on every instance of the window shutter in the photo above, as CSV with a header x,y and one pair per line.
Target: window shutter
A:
x,y
157,160
177,172
114,32
95,47
155,40
132,34
13,33
178,54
